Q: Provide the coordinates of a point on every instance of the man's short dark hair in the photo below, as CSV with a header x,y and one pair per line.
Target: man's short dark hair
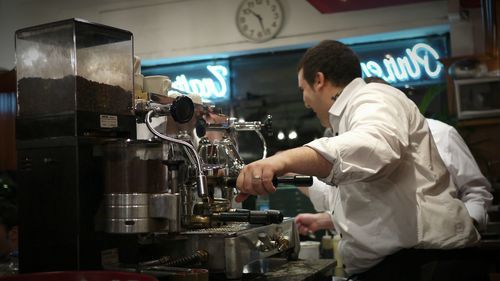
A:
x,y
375,79
335,60
8,214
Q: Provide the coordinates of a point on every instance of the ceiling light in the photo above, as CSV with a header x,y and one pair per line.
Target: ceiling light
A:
x,y
281,135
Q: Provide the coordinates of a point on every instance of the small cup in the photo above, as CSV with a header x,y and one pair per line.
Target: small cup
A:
x,y
309,250
157,84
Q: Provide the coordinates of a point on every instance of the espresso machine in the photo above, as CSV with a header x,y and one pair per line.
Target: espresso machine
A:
x,y
93,196
192,211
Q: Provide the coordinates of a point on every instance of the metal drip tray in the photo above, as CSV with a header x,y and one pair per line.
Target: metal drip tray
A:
x,y
232,246
225,230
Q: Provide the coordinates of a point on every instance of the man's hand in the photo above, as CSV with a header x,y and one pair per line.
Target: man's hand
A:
x,y
257,178
307,223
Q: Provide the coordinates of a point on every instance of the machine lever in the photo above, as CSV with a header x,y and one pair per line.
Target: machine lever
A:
x,y
252,217
298,180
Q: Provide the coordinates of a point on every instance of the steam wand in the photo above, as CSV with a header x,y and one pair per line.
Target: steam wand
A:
x,y
201,179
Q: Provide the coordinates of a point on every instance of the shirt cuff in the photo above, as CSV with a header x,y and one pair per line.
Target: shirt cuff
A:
x,y
478,213
330,213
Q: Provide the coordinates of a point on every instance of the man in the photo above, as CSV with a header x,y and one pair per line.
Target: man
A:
x,y
8,238
473,188
395,190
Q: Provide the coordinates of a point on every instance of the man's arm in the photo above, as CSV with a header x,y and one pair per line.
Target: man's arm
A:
x,y
256,178
375,139
370,149
307,223
473,187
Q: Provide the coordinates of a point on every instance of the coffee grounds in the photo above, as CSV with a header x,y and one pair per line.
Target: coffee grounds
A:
x,y
42,96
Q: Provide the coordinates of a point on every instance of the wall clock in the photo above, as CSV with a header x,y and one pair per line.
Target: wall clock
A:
x,y
259,20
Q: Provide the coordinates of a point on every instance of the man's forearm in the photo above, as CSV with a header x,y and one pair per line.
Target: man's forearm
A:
x,y
306,161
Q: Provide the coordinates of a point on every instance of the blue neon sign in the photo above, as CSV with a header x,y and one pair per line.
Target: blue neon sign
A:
x,y
414,61
208,79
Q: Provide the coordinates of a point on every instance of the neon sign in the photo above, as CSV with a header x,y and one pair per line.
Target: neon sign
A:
x,y
215,87
404,62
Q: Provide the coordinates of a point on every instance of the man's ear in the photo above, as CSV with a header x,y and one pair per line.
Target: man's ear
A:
x,y
319,80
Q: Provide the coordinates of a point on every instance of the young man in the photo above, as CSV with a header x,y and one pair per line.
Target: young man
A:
x,y
396,192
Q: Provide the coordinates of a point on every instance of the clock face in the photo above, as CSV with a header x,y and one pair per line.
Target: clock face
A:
x,y
259,20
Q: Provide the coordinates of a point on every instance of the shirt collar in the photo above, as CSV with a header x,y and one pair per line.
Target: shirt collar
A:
x,y
341,102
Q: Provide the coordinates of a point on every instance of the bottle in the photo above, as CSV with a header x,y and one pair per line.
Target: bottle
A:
x,y
327,246
336,252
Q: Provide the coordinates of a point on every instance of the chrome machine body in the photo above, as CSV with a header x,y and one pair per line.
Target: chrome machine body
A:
x,y
183,209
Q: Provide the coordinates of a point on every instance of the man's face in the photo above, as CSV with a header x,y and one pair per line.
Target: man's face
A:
x,y
313,99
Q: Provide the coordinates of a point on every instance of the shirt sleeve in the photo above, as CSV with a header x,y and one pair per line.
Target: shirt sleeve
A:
x,y
321,195
473,187
371,147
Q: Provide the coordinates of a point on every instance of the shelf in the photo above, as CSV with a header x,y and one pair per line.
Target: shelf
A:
x,y
479,122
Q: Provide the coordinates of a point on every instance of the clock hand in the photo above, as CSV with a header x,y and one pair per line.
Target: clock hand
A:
x,y
261,24
254,13
259,17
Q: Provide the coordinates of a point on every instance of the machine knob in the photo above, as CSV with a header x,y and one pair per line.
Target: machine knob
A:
x,y
266,244
182,109
283,243
201,127
267,129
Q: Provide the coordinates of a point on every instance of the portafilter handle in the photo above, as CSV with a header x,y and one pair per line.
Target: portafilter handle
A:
x,y
297,180
252,217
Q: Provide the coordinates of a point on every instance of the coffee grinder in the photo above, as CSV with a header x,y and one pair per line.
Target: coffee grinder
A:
x,y
74,92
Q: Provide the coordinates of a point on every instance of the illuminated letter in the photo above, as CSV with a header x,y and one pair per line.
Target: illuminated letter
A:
x,y
181,83
219,72
197,87
399,72
210,87
404,63
390,76
365,70
425,60
375,69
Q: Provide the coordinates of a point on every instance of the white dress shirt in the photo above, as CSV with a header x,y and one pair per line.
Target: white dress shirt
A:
x,y
394,190
473,188
322,195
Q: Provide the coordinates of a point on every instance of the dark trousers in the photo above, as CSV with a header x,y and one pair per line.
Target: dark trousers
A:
x,y
429,265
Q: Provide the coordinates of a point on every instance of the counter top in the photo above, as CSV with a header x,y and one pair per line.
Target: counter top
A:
x,y
300,270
